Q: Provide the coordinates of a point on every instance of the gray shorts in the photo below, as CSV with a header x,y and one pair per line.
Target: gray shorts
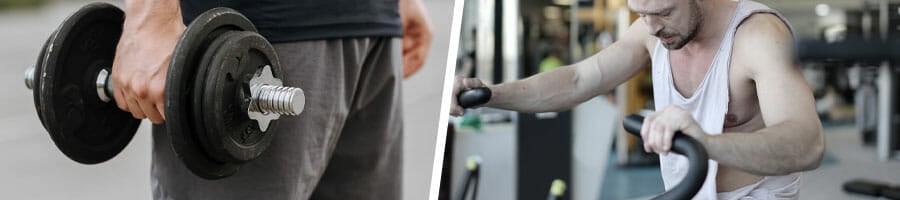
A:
x,y
769,188
347,144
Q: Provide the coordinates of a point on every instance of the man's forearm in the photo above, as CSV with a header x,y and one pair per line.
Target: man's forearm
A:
x,y
151,13
780,149
555,90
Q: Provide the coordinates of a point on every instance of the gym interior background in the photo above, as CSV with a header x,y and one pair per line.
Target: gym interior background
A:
x,y
33,168
521,154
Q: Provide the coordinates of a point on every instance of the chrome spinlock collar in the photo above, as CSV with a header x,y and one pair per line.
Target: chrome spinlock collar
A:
x,y
269,99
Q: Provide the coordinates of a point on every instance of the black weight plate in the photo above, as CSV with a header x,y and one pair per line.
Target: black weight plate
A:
x,y
84,128
182,70
238,137
36,81
197,99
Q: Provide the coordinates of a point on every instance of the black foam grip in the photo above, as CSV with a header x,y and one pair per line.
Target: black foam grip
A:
x,y
684,145
473,97
865,187
891,193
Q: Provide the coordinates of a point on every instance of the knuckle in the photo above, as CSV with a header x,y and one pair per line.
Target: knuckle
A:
x,y
140,92
672,107
157,93
122,107
136,114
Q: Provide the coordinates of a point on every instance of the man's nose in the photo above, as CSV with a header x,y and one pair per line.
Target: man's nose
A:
x,y
654,25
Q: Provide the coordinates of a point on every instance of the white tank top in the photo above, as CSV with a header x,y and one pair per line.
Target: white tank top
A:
x,y
708,105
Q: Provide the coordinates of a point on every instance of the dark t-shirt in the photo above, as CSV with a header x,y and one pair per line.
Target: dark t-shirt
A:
x,y
298,20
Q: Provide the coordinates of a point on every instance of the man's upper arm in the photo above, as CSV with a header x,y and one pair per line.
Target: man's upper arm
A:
x,y
620,61
764,52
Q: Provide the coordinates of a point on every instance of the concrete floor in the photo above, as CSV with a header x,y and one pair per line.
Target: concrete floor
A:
x,y
851,160
34,169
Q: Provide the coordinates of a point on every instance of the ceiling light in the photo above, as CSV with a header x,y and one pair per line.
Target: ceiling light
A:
x,y
822,9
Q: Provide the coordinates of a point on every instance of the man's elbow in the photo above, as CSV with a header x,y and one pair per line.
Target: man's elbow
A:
x,y
810,161
806,158
814,152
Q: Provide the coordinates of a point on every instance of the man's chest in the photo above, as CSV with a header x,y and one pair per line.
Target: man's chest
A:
x,y
689,72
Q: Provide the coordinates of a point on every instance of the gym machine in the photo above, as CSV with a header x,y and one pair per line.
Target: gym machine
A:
x,y
682,144
860,48
875,55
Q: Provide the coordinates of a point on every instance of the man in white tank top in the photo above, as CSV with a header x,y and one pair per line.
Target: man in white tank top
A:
x,y
723,73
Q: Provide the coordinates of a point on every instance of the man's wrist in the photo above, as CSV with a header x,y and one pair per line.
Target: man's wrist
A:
x,y
708,142
495,95
153,14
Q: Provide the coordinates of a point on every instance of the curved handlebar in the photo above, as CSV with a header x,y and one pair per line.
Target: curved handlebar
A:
x,y
684,145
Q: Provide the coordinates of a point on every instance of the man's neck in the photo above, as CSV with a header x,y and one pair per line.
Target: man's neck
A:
x,y
717,16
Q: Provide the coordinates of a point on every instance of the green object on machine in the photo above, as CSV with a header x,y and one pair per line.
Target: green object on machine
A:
x,y
472,122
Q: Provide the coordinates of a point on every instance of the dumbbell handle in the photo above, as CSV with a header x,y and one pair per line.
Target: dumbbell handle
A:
x,y
685,145
270,99
29,77
103,84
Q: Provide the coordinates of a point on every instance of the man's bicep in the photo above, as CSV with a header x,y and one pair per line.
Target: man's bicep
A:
x,y
617,63
784,96
766,50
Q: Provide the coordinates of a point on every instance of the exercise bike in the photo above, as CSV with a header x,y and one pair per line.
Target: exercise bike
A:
x,y
681,144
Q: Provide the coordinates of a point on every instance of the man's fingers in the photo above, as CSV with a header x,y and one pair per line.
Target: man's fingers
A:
x,y
119,98
415,47
119,94
456,111
667,140
457,86
161,108
158,94
410,42
453,103
135,109
151,112
412,62
645,132
662,143
407,42
471,83
655,130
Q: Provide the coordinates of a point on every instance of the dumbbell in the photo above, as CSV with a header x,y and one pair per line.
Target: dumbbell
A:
x,y
223,91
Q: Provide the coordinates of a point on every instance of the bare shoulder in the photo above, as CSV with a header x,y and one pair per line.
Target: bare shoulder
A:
x,y
763,42
761,27
639,34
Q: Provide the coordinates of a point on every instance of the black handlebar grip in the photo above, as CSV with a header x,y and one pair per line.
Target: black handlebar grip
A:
x,y
684,145
473,97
